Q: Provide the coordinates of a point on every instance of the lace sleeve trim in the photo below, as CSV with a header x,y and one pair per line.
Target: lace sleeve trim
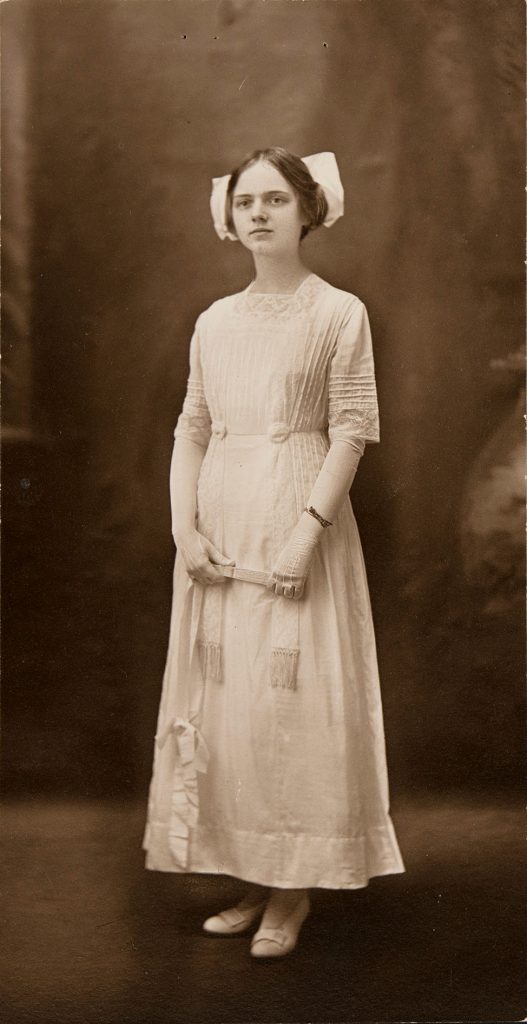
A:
x,y
194,423
353,409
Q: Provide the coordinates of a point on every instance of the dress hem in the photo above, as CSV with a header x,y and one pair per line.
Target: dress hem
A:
x,y
273,883
377,855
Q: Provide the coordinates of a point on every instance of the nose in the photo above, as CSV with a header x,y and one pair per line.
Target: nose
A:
x,y
258,212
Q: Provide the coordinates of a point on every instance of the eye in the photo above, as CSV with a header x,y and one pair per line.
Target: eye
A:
x,y
240,204
277,200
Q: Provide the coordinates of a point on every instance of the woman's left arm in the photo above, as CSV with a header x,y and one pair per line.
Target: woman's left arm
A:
x,y
332,486
353,419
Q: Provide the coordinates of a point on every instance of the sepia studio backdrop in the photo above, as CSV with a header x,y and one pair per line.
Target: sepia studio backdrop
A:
x,y
116,115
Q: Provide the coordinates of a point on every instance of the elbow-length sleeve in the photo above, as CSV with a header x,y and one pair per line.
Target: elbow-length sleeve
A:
x,y
352,394
194,422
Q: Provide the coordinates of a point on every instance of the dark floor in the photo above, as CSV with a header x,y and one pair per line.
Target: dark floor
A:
x,y
93,937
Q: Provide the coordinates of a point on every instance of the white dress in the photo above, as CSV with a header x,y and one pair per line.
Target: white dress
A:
x,y
269,760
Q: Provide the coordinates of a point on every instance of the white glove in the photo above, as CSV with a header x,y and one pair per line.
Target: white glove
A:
x,y
290,571
200,557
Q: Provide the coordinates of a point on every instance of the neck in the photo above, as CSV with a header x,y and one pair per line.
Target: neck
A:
x,y
276,275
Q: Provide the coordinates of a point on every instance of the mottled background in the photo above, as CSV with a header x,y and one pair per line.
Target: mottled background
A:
x,y
116,113
116,116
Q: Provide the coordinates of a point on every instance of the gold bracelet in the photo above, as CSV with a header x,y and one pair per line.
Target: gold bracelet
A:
x,y
313,512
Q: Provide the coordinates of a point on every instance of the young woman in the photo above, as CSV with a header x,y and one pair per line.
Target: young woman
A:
x,y
269,762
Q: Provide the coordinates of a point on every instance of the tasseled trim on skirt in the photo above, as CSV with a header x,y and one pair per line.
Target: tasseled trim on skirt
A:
x,y
284,662
210,660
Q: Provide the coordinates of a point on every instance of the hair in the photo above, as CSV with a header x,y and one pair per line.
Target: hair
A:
x,y
310,194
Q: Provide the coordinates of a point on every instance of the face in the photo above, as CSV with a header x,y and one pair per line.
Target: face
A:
x,y
266,212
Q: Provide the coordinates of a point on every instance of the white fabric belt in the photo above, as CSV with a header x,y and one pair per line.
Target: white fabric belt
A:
x,y
277,431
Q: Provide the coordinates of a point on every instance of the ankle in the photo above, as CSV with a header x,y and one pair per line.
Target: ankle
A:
x,y
288,896
281,904
254,894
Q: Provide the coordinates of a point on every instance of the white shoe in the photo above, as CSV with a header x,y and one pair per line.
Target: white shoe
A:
x,y
234,920
274,942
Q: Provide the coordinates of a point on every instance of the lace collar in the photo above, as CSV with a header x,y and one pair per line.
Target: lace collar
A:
x,y
278,303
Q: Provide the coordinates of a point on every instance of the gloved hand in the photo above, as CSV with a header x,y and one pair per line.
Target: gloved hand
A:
x,y
289,574
201,558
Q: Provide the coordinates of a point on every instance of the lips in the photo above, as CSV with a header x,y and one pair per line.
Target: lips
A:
x,y
260,231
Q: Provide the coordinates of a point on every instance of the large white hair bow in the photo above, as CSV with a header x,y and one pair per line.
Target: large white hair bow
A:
x,y
322,167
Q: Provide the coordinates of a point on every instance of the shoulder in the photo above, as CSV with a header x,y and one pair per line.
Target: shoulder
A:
x,y
338,296
346,303
217,310
212,320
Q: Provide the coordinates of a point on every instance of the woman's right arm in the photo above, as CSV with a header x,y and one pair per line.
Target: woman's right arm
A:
x,y
191,438
200,557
